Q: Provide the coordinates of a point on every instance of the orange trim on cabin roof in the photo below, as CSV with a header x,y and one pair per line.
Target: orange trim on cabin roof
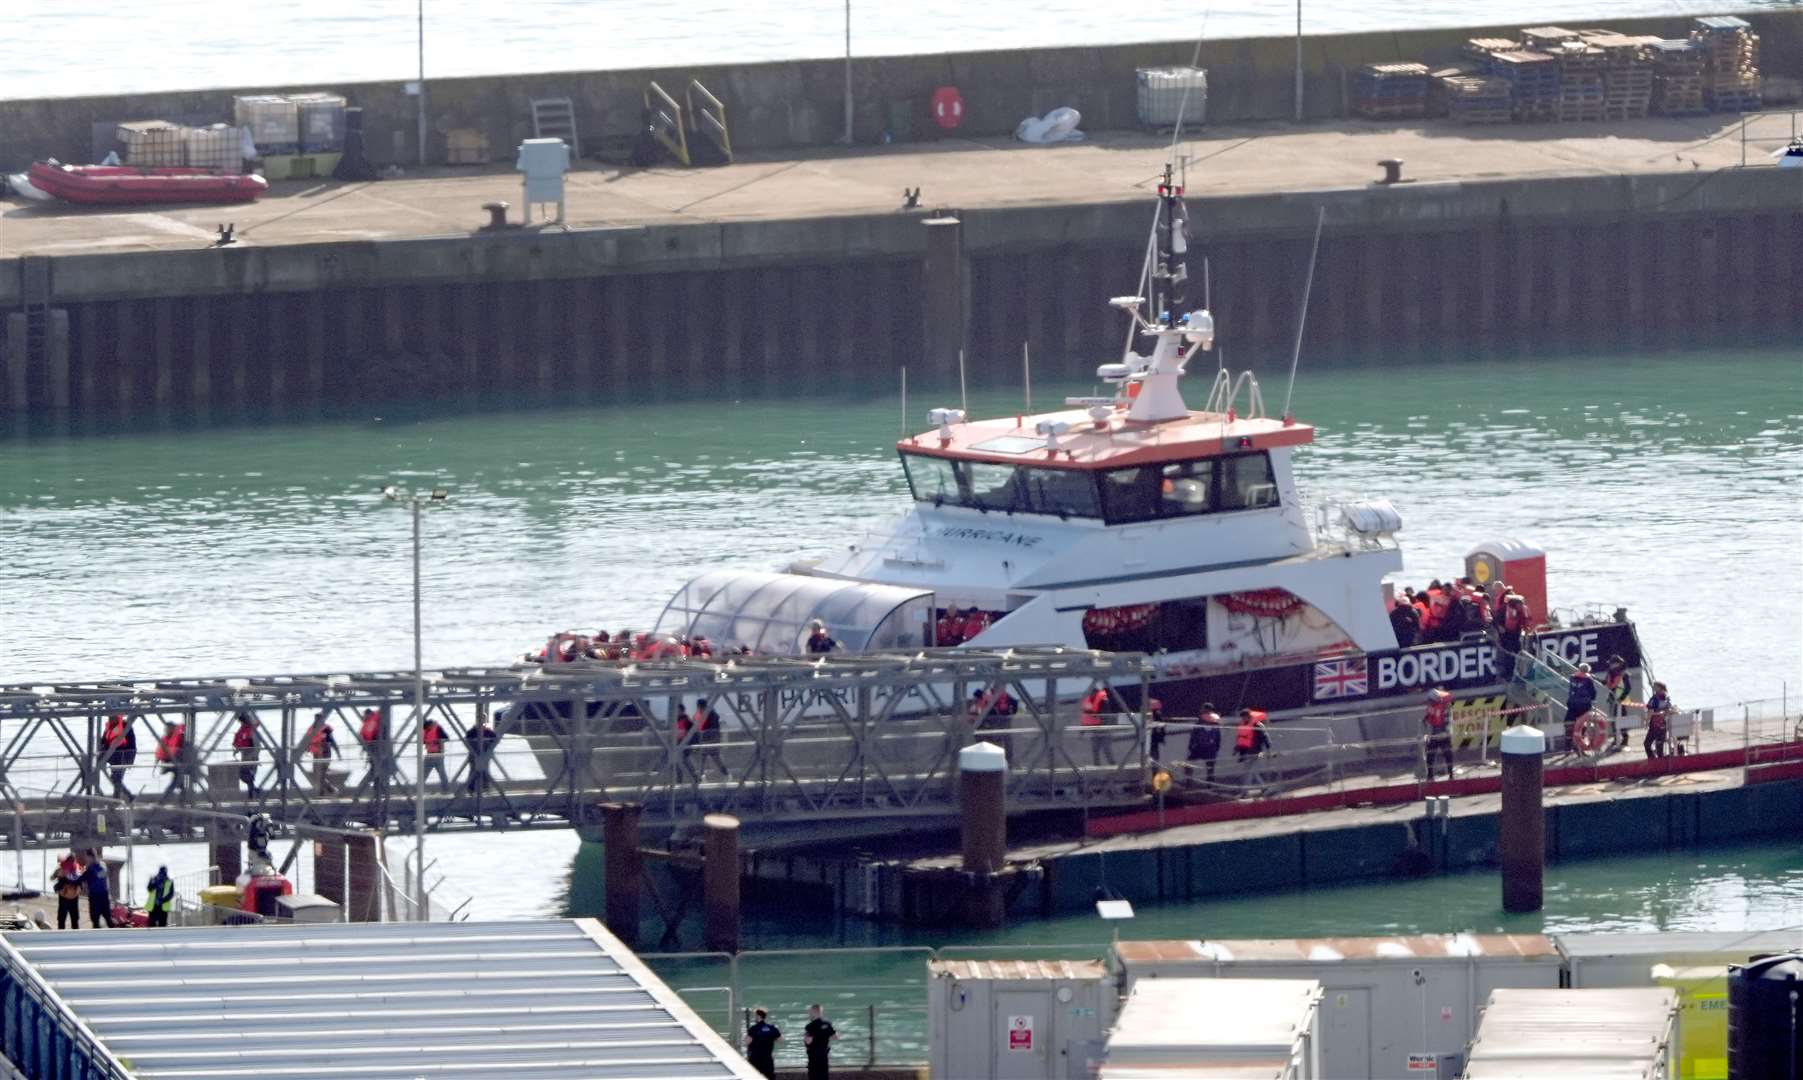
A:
x,y
1121,443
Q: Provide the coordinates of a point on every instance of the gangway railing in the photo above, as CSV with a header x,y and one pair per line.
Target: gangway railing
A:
x,y
709,119
665,116
43,1037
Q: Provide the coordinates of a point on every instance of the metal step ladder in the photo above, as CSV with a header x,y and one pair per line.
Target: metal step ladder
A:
x,y
555,118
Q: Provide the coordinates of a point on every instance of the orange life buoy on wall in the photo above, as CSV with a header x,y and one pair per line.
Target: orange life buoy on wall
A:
x,y
948,107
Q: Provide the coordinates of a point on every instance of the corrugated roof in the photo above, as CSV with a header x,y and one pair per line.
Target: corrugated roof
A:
x,y
1018,969
1662,945
1248,1018
1330,950
542,1000
1589,1033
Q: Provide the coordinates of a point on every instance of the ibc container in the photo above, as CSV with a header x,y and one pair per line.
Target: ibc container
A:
x,y
273,120
154,144
1161,95
1627,1033
220,146
321,120
1217,1027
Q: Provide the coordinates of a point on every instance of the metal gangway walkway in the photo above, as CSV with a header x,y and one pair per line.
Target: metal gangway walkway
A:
x,y
804,747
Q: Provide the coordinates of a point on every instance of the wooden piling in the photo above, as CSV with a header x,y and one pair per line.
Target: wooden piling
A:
x,y
1521,827
983,828
943,281
720,882
624,870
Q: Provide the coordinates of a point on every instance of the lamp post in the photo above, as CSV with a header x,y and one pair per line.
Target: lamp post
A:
x,y
1298,61
422,82
415,500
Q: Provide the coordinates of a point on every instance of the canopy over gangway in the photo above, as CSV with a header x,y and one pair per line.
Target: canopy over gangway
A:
x,y
771,612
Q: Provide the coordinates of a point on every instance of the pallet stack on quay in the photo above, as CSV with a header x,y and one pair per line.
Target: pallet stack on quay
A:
x,y
1390,91
1677,78
1627,73
1730,62
1533,79
1580,81
1550,73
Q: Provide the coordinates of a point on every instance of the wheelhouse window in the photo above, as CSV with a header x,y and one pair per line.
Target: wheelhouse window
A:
x,y
1018,489
1118,496
1183,488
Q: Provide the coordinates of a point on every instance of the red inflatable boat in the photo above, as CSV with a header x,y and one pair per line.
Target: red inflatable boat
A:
x,y
113,185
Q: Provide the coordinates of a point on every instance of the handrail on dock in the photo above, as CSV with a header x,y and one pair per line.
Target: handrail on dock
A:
x,y
667,121
23,1041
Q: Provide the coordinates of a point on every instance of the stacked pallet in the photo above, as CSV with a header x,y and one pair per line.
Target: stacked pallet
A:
x,y
1730,63
1475,99
1533,79
1580,81
1677,78
1390,91
1627,73
1546,38
1482,49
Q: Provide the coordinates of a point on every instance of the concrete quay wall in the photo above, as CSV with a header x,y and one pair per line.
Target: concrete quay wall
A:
x,y
800,103
1638,261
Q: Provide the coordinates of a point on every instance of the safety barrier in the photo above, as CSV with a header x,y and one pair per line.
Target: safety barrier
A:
x,y
40,1035
709,120
664,115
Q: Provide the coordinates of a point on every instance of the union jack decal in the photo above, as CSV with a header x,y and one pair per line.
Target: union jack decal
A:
x,y
1341,679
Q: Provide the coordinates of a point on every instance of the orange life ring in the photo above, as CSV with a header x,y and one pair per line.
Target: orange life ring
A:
x,y
1590,733
948,107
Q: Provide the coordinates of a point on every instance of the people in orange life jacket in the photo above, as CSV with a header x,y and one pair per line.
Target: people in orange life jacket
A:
x,y
975,622
819,641
120,742
1438,603
1580,695
66,881
1512,620
1095,703
1659,709
1204,743
1438,722
369,733
1618,686
707,733
322,744
1405,621
435,736
1252,737
169,755
947,630
244,745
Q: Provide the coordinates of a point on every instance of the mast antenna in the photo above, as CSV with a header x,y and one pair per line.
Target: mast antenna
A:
x,y
1026,367
963,398
904,402
1302,316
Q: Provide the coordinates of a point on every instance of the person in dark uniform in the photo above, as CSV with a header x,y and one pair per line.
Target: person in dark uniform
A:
x,y
100,896
760,1043
1580,695
1204,742
819,641
818,1037
1406,622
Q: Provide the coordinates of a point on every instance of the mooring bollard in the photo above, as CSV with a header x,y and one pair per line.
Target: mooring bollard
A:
x,y
983,827
1521,828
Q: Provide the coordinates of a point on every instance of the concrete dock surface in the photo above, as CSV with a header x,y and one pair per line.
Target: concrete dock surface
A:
x,y
956,173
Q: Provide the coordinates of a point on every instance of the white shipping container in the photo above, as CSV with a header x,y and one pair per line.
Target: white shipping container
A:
x,y
1629,1034
1018,1019
1198,1027
1387,1003
1604,960
1163,92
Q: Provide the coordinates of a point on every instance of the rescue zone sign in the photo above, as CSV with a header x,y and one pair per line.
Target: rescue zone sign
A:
x,y
1020,1033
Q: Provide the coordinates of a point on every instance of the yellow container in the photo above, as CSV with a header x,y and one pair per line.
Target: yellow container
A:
x,y
1702,1019
220,899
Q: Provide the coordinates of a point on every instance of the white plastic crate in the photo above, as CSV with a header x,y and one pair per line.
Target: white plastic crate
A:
x,y
1161,95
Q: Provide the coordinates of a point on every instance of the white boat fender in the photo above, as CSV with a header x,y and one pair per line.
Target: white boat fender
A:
x,y
1059,125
